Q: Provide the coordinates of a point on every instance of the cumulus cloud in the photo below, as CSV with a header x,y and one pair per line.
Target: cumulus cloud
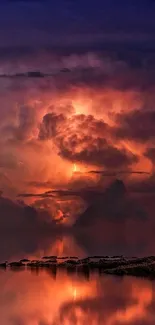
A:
x,y
99,153
121,221
17,213
24,229
51,125
113,204
79,115
82,139
137,125
83,103
150,154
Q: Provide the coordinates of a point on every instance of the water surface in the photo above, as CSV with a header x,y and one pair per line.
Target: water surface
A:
x,y
49,298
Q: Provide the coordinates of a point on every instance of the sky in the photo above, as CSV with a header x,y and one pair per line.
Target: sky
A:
x,y
77,94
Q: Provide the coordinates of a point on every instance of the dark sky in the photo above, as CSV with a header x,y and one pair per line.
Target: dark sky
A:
x,y
64,22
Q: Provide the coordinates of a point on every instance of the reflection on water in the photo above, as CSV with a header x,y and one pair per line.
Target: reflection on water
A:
x,y
48,298
57,298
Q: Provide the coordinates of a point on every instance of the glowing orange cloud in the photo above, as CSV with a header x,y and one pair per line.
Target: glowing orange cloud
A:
x,y
41,161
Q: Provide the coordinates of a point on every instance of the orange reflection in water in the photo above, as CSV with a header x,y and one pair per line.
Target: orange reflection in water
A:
x,y
30,299
142,298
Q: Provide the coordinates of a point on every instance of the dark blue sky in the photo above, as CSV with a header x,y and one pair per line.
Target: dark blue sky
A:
x,y
68,22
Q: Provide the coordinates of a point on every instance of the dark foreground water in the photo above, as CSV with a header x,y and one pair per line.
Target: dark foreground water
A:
x,y
46,298
50,298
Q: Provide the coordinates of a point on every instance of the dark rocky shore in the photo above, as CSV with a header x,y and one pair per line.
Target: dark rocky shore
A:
x,y
116,265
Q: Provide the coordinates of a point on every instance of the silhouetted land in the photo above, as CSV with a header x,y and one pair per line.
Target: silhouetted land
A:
x,y
116,265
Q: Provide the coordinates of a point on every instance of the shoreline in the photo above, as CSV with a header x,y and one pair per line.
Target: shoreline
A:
x,y
116,265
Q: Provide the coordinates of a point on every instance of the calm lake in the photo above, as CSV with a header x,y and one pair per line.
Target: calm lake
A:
x,y
46,298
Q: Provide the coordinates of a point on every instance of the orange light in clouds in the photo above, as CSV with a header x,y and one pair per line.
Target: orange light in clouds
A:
x,y
59,215
78,170
78,109
74,168
81,105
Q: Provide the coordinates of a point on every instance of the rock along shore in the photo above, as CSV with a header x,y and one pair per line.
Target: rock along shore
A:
x,y
116,265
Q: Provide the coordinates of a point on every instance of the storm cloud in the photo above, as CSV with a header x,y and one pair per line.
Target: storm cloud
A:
x,y
76,95
83,139
137,125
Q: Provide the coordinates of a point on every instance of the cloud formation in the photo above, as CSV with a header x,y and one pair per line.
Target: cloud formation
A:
x,y
83,139
24,229
94,114
137,125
